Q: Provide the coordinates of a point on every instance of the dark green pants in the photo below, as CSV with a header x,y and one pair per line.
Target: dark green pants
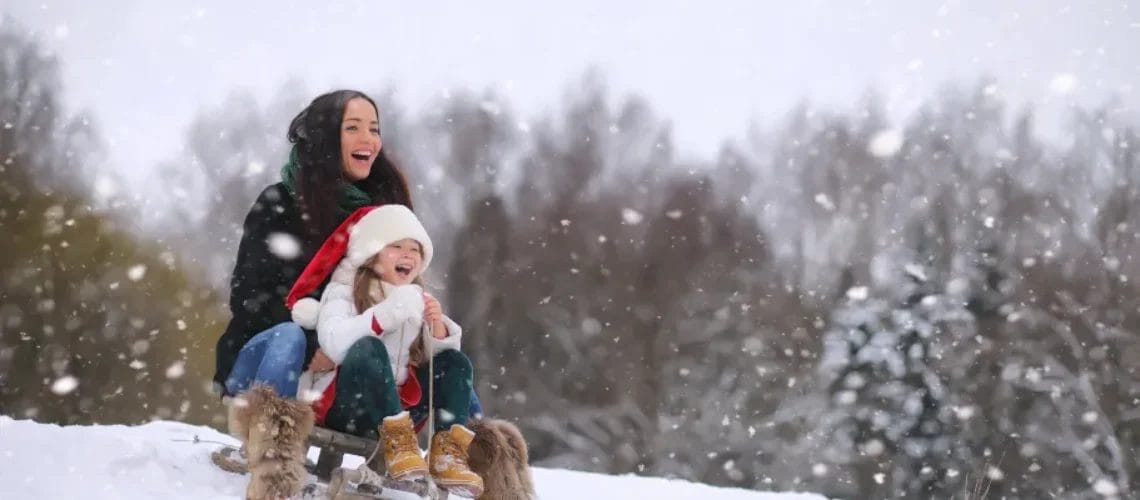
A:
x,y
366,390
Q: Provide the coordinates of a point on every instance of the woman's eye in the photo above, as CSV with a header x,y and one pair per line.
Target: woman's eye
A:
x,y
375,131
351,128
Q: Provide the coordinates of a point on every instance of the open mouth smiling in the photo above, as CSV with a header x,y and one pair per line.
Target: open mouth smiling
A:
x,y
362,155
403,270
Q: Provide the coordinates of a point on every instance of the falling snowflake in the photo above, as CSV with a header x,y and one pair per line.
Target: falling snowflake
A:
x,y
631,216
916,271
1105,487
964,412
885,143
824,201
136,273
846,397
64,385
874,448
176,370
254,168
1063,84
284,246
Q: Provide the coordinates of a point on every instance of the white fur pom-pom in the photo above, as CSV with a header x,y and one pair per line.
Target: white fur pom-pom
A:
x,y
305,312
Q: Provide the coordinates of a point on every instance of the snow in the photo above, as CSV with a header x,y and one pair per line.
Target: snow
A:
x,y
1063,84
162,460
137,272
64,385
284,246
631,216
885,143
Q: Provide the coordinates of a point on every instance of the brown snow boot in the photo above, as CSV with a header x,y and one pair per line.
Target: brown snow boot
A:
x,y
449,461
274,431
402,457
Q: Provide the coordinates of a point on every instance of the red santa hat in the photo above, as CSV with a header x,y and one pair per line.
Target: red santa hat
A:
x,y
362,235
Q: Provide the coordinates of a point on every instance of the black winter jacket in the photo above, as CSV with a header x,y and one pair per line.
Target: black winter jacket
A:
x,y
261,278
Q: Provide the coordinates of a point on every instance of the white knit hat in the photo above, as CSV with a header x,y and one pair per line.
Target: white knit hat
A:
x,y
362,235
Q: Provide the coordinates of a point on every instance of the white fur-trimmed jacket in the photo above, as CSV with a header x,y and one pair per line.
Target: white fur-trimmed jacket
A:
x,y
339,325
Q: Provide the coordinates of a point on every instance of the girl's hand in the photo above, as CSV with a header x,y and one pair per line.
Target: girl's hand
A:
x,y
433,316
321,363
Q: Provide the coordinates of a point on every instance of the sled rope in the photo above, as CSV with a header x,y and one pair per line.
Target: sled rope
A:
x,y
198,440
427,340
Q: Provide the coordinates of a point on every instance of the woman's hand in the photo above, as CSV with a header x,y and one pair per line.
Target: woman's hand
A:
x,y
321,363
433,316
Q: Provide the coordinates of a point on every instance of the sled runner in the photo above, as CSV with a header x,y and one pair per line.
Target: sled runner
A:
x,y
366,482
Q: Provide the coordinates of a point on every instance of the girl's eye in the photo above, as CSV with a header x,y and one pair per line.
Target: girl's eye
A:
x,y
351,128
375,131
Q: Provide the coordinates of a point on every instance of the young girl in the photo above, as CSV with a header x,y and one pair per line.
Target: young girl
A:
x,y
378,326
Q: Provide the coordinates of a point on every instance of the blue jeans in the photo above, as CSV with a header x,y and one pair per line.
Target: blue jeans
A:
x,y
273,357
476,410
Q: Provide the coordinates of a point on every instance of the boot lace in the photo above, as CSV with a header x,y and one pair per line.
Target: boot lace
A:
x,y
452,449
400,440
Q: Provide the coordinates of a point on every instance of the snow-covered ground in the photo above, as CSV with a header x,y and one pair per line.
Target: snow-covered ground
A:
x,y
161,460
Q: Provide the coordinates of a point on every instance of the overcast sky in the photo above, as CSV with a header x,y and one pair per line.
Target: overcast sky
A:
x,y
145,68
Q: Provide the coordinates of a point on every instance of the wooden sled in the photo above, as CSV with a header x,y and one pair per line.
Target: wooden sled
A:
x,y
336,482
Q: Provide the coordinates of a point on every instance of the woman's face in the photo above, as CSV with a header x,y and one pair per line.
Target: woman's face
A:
x,y
359,139
400,262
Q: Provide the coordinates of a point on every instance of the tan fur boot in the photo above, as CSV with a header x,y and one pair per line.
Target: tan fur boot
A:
x,y
499,455
273,431
449,461
402,456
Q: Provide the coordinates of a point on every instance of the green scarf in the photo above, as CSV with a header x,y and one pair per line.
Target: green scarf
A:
x,y
351,196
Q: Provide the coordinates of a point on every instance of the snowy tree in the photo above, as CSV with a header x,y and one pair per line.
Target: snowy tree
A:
x,y
892,416
94,324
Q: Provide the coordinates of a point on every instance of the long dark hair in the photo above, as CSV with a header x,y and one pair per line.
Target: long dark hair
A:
x,y
315,133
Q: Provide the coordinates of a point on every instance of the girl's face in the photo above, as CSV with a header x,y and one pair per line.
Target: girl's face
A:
x,y
400,262
359,139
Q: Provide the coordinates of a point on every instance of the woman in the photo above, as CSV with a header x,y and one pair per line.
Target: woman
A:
x,y
336,165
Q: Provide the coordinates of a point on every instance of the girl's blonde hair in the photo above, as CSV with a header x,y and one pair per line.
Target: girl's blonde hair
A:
x,y
367,292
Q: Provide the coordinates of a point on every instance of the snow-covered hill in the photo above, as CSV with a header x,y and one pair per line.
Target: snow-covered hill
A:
x,y
161,460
